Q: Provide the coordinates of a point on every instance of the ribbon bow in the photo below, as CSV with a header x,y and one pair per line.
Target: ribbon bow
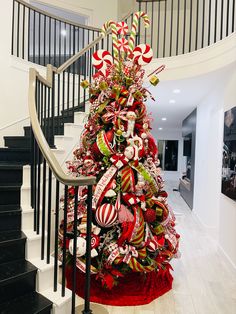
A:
x,y
113,113
119,160
128,251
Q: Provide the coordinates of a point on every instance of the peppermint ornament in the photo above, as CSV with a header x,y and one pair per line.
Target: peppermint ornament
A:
x,y
106,215
122,28
101,59
142,54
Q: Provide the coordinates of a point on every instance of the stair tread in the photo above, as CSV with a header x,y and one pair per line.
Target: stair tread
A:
x,y
11,212
7,207
7,166
17,137
14,269
32,303
21,149
8,236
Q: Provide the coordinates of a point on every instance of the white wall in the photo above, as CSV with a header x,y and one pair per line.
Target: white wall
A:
x,y
216,212
227,215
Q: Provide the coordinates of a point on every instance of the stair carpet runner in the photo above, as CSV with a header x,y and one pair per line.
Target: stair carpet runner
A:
x,y
17,275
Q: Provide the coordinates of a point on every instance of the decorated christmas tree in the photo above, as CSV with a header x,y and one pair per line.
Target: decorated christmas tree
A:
x,y
133,227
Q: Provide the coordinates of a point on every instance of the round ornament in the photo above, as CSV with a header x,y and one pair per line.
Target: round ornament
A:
x,y
122,28
123,45
142,54
101,59
81,246
106,215
149,215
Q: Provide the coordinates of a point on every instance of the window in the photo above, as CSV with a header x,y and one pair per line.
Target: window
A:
x,y
168,154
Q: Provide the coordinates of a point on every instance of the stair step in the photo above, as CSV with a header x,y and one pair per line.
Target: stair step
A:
x,y
10,220
15,155
17,278
10,195
12,246
33,303
17,141
10,174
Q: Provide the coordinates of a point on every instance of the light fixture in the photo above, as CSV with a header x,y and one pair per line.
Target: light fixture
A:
x,y
163,119
160,129
63,32
176,91
172,101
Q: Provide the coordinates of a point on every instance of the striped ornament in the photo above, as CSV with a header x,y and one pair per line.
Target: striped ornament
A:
x,y
106,215
142,54
123,45
137,267
127,179
122,28
101,59
111,24
137,236
136,18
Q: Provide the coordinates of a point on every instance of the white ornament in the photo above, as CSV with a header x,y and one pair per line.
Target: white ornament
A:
x,y
81,247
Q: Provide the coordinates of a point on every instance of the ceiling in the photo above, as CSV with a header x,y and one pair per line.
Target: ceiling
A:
x,y
192,91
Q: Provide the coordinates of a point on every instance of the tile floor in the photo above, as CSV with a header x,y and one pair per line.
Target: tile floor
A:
x,y
204,281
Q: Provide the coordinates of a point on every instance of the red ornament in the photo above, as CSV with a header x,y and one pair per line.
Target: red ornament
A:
x,y
149,215
110,135
106,215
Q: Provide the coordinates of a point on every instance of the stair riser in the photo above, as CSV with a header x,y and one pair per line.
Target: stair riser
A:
x,y
10,220
18,286
13,250
9,197
45,279
10,177
12,142
12,157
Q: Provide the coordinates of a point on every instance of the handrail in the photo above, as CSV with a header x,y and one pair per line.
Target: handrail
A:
x,y
32,7
44,147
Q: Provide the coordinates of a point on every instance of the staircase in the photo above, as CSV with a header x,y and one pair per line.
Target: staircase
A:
x,y
22,272
17,275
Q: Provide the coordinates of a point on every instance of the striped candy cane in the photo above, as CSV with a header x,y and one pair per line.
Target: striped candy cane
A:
x,y
137,16
111,24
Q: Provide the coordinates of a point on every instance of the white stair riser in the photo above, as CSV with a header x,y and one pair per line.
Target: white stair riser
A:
x,y
62,309
64,142
33,248
25,196
80,117
87,107
45,279
73,130
27,220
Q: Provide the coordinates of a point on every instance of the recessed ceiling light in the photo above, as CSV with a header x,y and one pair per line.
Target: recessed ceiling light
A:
x,y
176,91
63,32
160,129
163,119
172,101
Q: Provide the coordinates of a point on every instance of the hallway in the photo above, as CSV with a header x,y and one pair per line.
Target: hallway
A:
x,y
204,281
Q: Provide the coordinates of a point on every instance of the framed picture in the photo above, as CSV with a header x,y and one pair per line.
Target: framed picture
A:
x,y
229,155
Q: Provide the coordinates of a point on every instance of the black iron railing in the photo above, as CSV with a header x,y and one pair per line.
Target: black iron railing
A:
x,y
42,38
182,26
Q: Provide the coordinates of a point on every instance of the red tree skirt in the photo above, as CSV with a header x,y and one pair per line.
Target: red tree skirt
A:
x,y
133,289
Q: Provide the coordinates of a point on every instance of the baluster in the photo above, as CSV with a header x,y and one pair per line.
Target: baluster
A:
x,y
233,14
152,23
64,243
209,23
43,209
184,26
49,39
39,40
18,28
171,27
13,29
177,29
203,22
196,39
49,214
44,40
34,37
88,252
221,19
74,250
23,34
216,7
158,20
56,235
59,43
164,40
55,43
29,41
227,19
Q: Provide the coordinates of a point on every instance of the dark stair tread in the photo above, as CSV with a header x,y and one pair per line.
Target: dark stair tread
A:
x,y
7,166
33,303
8,207
10,187
8,236
19,137
7,149
9,271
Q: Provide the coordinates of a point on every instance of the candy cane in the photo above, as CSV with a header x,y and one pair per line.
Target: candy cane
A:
x,y
113,27
137,16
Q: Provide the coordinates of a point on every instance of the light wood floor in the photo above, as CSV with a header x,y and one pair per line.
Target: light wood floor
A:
x,y
204,281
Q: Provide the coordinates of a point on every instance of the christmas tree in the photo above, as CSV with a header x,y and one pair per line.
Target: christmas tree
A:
x,y
133,226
